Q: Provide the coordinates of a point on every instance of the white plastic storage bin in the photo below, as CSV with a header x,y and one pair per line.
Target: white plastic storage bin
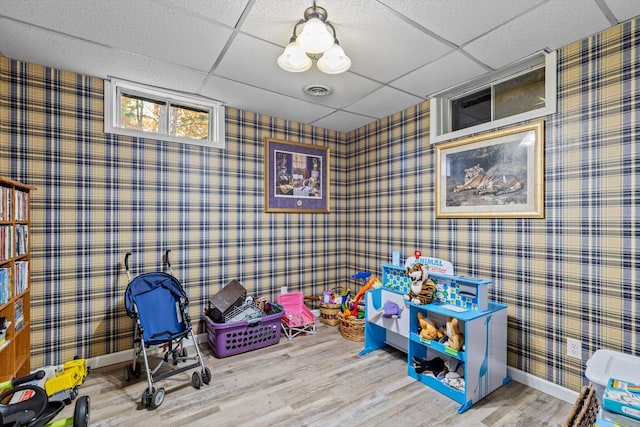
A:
x,y
605,364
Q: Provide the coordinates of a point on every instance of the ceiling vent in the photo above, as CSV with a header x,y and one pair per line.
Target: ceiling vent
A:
x,y
317,89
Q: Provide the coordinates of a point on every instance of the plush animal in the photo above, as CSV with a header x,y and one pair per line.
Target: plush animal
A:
x,y
422,288
434,366
456,339
428,329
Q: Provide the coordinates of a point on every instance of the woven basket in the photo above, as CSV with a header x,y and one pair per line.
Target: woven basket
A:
x,y
585,410
351,327
329,313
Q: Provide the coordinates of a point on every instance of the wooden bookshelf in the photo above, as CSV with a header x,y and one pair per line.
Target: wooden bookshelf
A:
x,y
15,278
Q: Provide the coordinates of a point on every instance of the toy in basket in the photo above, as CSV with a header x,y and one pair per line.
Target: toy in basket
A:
x,y
297,318
246,328
330,306
352,316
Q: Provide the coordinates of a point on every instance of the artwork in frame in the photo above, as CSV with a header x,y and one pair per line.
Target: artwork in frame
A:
x,y
296,177
497,174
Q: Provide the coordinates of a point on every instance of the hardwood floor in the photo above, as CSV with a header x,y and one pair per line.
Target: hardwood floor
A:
x,y
312,380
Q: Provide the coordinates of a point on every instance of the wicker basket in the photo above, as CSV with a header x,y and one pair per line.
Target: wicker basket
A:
x,y
585,410
351,327
329,313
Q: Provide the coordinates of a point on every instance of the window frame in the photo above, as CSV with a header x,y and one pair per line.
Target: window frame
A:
x,y
113,89
440,103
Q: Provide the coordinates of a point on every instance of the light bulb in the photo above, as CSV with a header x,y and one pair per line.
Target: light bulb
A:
x,y
334,61
293,59
315,38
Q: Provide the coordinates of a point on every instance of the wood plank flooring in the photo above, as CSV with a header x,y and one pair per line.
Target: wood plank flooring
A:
x,y
312,380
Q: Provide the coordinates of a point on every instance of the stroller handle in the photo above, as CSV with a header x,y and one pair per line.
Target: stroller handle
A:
x,y
126,264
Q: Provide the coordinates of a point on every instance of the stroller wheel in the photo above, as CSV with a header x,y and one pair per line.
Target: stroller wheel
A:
x,y
157,398
137,371
174,356
206,375
196,380
81,412
145,401
127,373
183,354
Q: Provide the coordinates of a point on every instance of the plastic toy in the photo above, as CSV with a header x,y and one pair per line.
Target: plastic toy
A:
x,y
61,382
350,307
29,405
388,311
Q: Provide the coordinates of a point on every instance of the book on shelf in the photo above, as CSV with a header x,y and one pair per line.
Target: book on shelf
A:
x,y
6,279
21,277
18,309
19,323
21,206
622,397
6,242
5,204
22,239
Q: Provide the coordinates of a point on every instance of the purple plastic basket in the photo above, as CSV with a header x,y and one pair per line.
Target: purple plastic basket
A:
x,y
227,339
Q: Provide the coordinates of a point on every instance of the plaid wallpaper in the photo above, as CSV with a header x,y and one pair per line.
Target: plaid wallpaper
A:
x,y
573,274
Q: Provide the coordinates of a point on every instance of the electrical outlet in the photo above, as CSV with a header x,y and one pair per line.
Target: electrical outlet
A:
x,y
574,348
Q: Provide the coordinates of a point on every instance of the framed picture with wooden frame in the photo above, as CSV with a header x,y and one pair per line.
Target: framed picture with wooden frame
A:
x,y
498,174
296,177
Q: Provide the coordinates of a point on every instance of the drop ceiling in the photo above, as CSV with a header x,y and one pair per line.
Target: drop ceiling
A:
x,y
402,51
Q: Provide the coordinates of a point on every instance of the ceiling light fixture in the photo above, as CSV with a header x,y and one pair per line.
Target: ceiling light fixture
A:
x,y
314,42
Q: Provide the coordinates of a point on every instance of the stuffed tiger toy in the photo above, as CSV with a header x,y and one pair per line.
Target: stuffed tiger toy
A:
x,y
476,178
422,288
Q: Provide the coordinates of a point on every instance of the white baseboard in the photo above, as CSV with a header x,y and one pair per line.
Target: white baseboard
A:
x,y
532,381
544,386
127,355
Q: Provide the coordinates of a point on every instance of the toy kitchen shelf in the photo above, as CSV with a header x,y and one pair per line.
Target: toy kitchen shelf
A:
x,y
482,361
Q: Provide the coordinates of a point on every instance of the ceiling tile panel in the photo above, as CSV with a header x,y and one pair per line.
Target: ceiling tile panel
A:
x,y
161,33
553,24
441,74
623,9
223,11
262,101
461,21
384,102
343,121
71,54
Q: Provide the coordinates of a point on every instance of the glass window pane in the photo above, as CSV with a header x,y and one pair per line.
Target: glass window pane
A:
x,y
471,110
520,94
189,122
143,114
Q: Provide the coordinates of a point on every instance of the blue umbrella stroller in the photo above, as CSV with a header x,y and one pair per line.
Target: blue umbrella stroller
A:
x,y
158,305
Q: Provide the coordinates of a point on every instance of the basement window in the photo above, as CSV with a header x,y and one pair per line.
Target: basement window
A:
x,y
523,91
143,111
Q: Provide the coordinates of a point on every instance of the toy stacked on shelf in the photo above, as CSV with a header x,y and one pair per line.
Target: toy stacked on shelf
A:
x,y
456,344
15,349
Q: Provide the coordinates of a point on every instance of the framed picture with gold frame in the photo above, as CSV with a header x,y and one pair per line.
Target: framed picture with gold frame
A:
x,y
497,174
296,177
